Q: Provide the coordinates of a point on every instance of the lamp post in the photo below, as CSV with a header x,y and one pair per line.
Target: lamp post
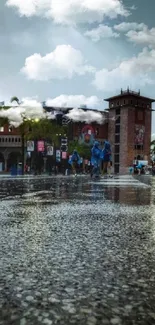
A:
x,y
23,152
23,133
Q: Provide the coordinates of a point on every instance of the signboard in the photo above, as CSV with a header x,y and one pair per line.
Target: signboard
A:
x,y
87,135
143,162
64,155
139,135
58,155
49,150
30,146
40,146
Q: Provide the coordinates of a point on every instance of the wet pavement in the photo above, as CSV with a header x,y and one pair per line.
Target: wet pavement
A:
x,y
77,251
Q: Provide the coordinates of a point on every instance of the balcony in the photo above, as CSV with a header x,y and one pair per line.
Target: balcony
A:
x,y
10,141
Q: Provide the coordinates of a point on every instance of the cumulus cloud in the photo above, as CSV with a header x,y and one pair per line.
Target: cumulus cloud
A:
x,y
133,72
102,31
28,109
125,26
63,62
142,37
66,101
77,114
70,11
137,33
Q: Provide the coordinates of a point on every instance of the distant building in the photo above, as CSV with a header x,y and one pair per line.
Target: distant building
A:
x,y
127,125
10,147
129,128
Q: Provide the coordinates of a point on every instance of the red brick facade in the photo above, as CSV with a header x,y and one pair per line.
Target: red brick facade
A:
x,y
127,111
132,112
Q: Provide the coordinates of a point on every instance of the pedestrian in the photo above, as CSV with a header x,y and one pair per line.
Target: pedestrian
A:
x,y
139,168
95,159
75,162
107,158
131,170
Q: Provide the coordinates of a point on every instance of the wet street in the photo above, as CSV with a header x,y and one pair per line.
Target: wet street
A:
x,y
77,251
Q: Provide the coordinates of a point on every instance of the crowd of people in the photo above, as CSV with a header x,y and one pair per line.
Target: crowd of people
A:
x,y
101,161
99,164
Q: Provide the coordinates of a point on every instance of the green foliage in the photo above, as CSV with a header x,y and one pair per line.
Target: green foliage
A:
x,y
44,129
82,149
15,99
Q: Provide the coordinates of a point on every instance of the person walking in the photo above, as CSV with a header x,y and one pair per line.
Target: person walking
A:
x,y
75,162
96,159
107,158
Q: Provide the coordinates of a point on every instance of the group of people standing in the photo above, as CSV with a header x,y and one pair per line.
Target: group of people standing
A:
x,y
100,160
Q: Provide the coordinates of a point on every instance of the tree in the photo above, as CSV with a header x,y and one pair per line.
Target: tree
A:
x,y
82,149
15,99
44,130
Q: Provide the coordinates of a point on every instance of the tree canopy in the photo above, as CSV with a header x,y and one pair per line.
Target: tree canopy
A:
x,y
15,99
82,149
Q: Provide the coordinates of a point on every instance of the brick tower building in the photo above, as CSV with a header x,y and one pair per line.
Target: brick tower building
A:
x,y
129,129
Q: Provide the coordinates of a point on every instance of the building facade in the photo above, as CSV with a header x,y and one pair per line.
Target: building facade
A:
x,y
127,126
10,147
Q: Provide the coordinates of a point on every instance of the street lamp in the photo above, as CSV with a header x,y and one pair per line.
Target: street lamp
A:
x,y
36,120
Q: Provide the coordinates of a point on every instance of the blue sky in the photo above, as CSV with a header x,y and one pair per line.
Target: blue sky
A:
x,y
78,51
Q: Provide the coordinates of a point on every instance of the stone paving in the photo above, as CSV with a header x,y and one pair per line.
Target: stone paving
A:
x,y
77,251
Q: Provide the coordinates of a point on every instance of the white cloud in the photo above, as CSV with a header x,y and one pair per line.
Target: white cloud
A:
x,y
70,11
28,109
132,72
143,37
102,31
66,101
137,33
63,62
77,114
125,27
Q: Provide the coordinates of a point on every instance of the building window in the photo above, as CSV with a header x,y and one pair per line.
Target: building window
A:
x,y
118,111
117,148
19,140
1,128
117,128
118,103
9,139
112,104
2,139
117,138
116,159
116,168
138,147
97,131
12,139
10,128
124,101
131,102
118,119
6,140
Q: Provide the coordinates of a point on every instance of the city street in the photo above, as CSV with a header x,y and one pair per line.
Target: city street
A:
x,y
77,251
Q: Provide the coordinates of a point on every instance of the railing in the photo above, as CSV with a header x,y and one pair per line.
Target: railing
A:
x,y
9,141
128,91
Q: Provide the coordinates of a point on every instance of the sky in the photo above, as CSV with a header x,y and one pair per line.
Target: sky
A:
x,y
76,52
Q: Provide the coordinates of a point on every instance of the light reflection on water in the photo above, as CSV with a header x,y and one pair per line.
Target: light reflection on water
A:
x,y
78,240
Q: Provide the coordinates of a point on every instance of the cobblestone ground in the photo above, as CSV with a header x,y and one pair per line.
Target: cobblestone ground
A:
x,y
76,251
